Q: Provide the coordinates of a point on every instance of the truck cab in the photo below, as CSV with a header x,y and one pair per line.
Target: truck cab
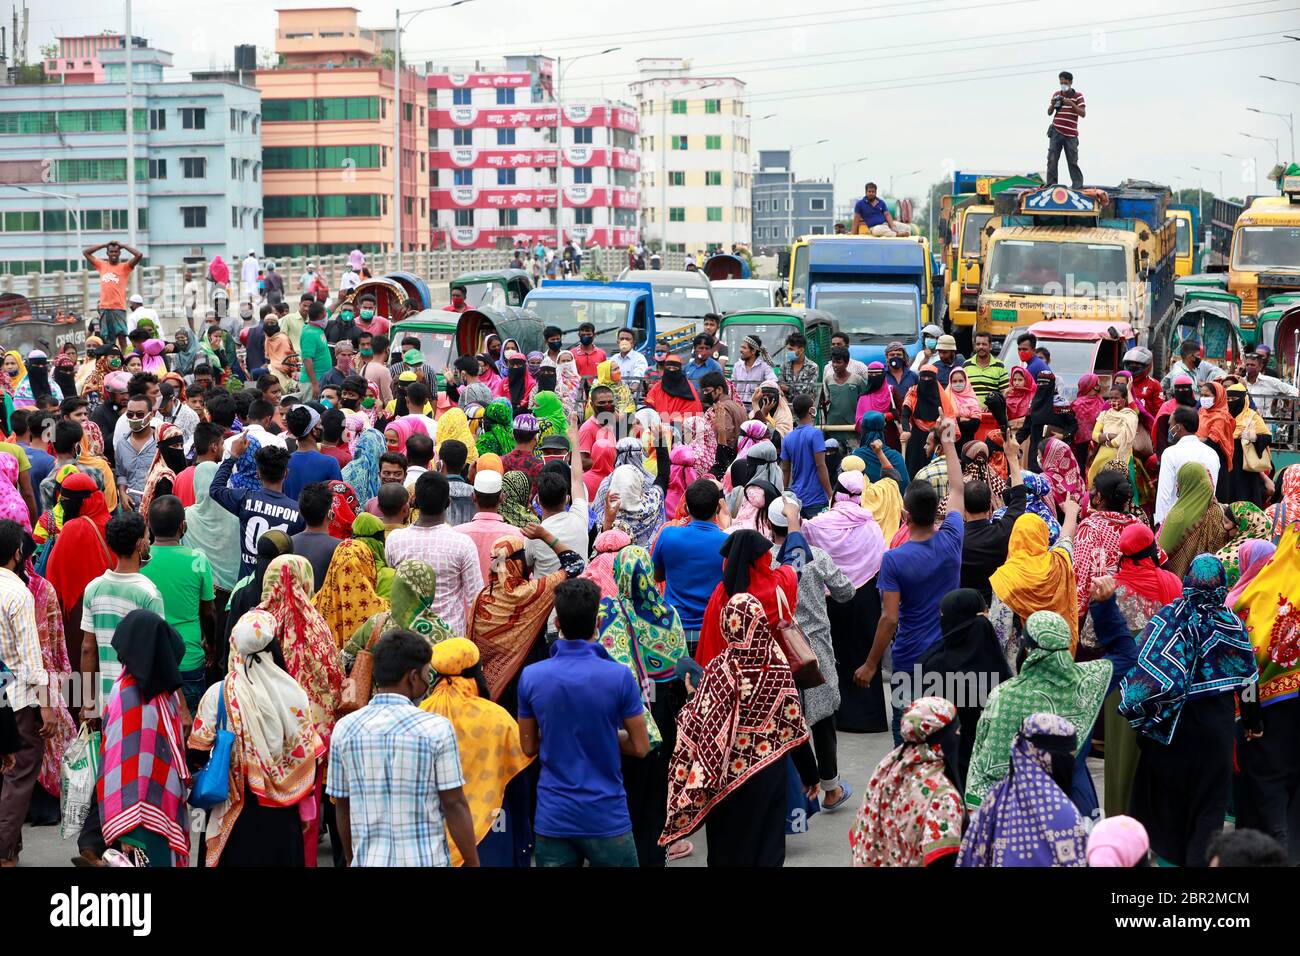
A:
x,y
1185,224
1058,253
1265,255
609,306
878,289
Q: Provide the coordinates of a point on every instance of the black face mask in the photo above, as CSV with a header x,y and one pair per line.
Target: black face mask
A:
x,y
545,379
553,346
173,456
271,329
1236,404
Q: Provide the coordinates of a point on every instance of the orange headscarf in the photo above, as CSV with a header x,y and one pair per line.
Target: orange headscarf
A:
x,y
1217,423
947,406
1035,577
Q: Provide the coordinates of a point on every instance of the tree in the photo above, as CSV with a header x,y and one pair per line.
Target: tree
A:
x,y
49,51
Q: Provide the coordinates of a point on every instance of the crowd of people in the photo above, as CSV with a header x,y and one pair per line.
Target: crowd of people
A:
x,y
289,581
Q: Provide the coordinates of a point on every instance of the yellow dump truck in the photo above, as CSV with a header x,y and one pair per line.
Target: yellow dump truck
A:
x,y
1265,250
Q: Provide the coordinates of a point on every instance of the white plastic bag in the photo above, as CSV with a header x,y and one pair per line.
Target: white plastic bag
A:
x,y
77,778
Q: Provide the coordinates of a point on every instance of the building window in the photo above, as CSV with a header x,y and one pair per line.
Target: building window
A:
x,y
713,106
257,120
715,214
234,168
409,203
194,167
582,217
234,121
463,137
582,175
464,217
194,217
424,207
582,135
234,217
194,117
676,214
507,217
505,177
713,142
713,178
408,112
323,108
679,107
157,119
257,171
505,137
460,97
157,169
817,204
506,97
462,177
819,230
681,142
676,178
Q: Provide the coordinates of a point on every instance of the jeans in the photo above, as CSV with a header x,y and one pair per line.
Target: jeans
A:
x,y
1055,143
598,851
193,684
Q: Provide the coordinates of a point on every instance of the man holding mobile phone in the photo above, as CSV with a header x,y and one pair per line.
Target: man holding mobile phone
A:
x,y
1066,109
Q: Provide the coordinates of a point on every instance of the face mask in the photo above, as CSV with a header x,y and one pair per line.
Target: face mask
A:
x,y
245,315
115,363
624,346
895,363
957,386
1026,355
586,339
271,329
1173,437
367,403
367,353
553,346
931,343
345,317
174,458
1065,87
1236,405
1207,401
367,314
137,424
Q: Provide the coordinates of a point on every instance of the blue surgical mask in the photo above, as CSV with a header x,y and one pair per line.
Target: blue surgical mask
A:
x,y
931,343
1207,401
586,339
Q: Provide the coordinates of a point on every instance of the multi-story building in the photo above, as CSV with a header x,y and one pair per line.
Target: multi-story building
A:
x,y
328,124
492,146
696,162
63,164
78,58
786,207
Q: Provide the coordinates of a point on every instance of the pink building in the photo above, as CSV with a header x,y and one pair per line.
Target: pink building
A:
x,y
78,58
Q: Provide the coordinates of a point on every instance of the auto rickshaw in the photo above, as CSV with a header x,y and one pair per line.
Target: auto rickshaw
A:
x,y
511,322
390,297
1211,322
1286,343
496,289
416,288
1200,280
724,265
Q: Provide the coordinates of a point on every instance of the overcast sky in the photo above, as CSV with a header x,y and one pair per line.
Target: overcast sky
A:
x,y
928,85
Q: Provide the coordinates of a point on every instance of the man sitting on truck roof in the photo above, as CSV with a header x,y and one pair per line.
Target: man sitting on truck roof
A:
x,y
871,216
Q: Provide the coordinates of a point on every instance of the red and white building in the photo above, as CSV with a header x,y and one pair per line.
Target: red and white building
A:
x,y
494,161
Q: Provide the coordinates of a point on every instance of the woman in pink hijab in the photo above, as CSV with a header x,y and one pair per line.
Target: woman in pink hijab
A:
x,y
603,453
683,472
218,271
152,350
601,568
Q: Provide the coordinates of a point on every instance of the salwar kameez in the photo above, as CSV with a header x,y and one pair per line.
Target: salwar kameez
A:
x,y
1270,774
853,628
1121,757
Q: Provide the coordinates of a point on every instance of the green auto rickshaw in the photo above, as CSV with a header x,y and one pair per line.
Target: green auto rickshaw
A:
x,y
495,289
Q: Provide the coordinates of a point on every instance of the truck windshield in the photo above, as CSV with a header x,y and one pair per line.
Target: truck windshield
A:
x,y
1084,269
682,301
736,298
772,336
972,226
872,317
490,294
568,314
1182,237
1267,247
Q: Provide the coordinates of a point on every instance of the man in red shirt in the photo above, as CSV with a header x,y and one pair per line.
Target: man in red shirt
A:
x,y
586,356
1066,109
598,425
458,303
1145,388
114,274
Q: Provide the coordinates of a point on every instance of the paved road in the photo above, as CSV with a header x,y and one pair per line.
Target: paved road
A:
x,y
825,843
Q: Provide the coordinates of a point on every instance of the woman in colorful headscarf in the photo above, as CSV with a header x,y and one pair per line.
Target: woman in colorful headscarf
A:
x,y
410,609
185,353
1038,501
454,424
491,757
1285,511
1048,680
964,400
369,530
362,472
611,377
727,772
516,385
912,812
748,565
12,505
496,435
1251,524
637,503
152,362
275,758
643,632
1196,524
247,592
568,381
1251,438
1096,548
549,411
871,428
347,597
1020,392
1039,576
1217,429
603,455
883,498
685,469
80,551
876,397
1253,556
1184,394
1113,433
19,390
64,375
1057,464
1194,658
92,461
345,505
1087,405
168,462
516,492
141,784
601,567
1027,818
925,404
509,615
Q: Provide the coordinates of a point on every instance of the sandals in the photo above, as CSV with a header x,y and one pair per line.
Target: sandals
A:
x,y
680,850
846,794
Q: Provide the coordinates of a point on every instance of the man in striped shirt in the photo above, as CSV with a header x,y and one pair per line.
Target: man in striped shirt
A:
x,y
1066,109
984,370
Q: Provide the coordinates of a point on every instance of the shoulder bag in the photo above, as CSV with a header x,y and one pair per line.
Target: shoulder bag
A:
x,y
794,644
212,783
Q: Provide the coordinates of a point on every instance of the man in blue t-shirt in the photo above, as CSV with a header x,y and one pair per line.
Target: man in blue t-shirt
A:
x,y
914,577
308,464
688,558
871,215
581,710
259,510
803,459
1027,349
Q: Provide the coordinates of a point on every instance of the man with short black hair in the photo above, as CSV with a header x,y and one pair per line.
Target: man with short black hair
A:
x,y
580,711
308,464
394,769
452,457
1184,446
451,554
419,456
871,216
587,356
207,447
984,370
553,336
1026,343
840,340
713,326
728,418
331,437
315,352
803,460
375,368
702,361
1066,109
259,510
564,513
458,303
630,363
686,556
134,453
314,542
67,448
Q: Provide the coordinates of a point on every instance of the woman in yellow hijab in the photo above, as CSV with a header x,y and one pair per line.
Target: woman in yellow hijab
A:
x,y
347,597
611,377
1251,439
454,425
491,757
1039,578
881,498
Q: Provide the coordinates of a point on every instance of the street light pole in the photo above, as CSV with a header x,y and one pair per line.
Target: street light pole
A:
x,y
789,195
1217,172
559,146
397,120
1290,123
1277,156
73,212
892,177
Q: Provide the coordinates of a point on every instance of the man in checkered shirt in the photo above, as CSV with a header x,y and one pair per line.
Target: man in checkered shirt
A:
x,y
394,769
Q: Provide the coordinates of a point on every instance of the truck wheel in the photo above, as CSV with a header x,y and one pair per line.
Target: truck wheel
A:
x,y
965,336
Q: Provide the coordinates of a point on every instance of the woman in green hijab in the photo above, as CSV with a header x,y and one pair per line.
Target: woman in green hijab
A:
x,y
516,489
496,435
410,609
549,411
369,530
1196,523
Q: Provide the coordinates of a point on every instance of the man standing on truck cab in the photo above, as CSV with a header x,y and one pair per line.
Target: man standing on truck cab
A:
x,y
1066,109
870,211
